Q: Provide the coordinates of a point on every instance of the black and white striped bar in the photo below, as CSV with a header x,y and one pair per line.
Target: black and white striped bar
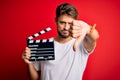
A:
x,y
41,49
39,33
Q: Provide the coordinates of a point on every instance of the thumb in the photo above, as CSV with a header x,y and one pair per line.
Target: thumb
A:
x,y
77,41
84,30
75,45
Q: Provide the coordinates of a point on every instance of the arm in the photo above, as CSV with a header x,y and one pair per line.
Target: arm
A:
x,y
32,71
91,38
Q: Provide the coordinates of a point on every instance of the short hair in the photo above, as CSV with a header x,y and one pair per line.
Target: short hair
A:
x,y
68,9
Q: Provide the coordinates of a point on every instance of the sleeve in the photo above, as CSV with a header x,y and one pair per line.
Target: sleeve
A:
x,y
37,65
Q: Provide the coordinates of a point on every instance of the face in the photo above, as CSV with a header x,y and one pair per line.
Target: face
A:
x,y
64,22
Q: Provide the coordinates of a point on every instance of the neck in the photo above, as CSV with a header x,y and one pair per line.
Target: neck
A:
x,y
62,40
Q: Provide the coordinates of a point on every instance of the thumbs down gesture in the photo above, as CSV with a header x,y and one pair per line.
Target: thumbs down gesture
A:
x,y
78,31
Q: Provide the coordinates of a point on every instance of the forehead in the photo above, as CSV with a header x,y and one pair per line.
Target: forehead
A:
x,y
65,18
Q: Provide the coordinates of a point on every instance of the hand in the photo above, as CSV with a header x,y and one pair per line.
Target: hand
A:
x,y
26,55
78,31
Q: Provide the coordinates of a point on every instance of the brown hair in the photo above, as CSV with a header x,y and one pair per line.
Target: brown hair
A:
x,y
68,9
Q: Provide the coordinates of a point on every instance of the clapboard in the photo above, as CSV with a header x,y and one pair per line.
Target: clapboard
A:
x,y
41,50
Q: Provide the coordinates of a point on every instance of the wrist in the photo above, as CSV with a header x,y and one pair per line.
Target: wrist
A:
x,y
30,64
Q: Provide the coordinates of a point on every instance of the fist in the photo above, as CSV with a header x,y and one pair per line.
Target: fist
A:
x,y
26,55
78,31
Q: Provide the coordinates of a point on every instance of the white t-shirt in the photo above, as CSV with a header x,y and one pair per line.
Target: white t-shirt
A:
x,y
68,65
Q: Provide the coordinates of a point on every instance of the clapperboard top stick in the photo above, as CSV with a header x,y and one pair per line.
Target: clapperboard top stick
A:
x,y
41,49
39,33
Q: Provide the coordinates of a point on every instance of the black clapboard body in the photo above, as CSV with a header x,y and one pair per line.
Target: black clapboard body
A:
x,y
41,49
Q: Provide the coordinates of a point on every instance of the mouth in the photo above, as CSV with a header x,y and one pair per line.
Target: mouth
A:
x,y
65,31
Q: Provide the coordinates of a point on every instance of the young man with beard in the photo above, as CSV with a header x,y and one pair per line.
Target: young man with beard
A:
x,y
73,45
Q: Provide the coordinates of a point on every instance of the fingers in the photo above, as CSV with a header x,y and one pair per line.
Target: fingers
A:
x,y
76,23
27,49
76,33
79,28
26,55
76,29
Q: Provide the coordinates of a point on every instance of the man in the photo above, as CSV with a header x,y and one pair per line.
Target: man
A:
x,y
74,43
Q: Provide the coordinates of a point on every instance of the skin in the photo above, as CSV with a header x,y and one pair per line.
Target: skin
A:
x,y
68,28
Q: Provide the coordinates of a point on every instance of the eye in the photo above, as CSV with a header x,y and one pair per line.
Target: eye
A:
x,y
62,22
70,23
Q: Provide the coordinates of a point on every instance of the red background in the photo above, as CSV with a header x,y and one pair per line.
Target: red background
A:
x,y
21,18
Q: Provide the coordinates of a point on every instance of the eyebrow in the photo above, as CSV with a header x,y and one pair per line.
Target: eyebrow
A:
x,y
65,22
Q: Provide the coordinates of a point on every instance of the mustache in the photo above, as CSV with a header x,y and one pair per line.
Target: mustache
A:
x,y
66,30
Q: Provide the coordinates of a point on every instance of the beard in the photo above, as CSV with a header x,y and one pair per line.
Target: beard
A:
x,y
64,33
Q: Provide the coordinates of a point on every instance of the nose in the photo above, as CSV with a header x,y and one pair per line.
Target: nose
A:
x,y
67,26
